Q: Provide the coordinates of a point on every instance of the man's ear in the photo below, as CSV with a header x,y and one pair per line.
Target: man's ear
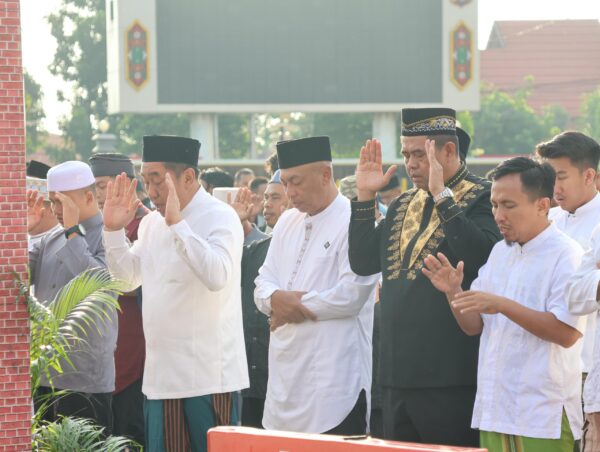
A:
x,y
543,205
90,197
189,176
450,150
589,176
327,174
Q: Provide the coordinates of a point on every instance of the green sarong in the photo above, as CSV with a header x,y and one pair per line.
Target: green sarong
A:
x,y
500,442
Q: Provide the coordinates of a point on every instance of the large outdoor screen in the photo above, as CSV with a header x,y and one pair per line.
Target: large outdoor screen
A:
x,y
291,51
291,55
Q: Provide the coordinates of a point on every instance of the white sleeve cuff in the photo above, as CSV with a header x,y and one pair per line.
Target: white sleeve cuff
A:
x,y
114,239
181,229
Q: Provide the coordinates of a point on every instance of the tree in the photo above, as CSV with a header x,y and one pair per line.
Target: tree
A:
x,y
507,124
348,131
590,117
234,135
34,113
131,128
79,27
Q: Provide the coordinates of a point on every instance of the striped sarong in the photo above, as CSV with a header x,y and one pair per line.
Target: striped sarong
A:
x,y
180,425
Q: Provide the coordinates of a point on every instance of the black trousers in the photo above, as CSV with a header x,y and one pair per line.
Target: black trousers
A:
x,y
252,412
128,412
376,423
355,423
430,415
96,407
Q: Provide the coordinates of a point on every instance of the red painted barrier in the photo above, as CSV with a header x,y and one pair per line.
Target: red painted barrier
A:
x,y
244,439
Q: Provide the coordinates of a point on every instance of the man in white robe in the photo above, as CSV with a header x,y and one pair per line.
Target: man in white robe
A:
x,y
321,318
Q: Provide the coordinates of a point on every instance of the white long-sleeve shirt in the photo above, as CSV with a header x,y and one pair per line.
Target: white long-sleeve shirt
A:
x,y
316,368
524,382
192,313
581,293
579,226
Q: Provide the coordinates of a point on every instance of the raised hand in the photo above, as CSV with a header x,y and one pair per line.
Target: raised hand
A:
x,y
369,171
121,203
70,210
436,170
173,207
35,209
443,275
242,203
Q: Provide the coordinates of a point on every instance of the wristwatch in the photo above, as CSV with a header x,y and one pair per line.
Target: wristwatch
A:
x,y
445,193
77,229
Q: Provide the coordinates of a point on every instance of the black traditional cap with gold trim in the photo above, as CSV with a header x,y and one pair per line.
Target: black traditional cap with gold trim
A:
x,y
171,149
302,151
428,121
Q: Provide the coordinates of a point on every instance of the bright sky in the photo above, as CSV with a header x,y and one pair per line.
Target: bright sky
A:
x,y
39,45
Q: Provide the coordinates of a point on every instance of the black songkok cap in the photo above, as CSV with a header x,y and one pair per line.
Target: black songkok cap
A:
x,y
393,183
428,121
464,141
37,169
302,151
171,149
110,164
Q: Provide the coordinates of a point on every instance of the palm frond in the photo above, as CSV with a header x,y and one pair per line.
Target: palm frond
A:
x,y
77,435
86,301
92,284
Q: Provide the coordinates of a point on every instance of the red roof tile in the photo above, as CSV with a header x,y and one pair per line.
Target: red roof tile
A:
x,y
563,56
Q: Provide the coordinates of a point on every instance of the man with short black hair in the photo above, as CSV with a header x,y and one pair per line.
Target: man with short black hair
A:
x,y
215,177
256,326
575,157
275,201
528,383
258,185
243,177
187,258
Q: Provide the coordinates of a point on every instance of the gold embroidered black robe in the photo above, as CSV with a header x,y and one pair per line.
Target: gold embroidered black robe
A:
x,y
421,344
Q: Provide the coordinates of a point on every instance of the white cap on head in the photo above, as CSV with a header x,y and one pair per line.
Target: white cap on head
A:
x,y
72,175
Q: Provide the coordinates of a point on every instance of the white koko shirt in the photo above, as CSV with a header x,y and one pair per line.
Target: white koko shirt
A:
x,y
192,312
316,368
524,382
579,226
581,294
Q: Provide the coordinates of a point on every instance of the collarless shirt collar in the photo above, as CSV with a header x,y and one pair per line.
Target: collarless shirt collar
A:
x,y
538,241
196,200
591,206
325,212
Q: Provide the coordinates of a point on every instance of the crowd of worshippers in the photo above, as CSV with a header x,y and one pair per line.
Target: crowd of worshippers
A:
x,y
462,311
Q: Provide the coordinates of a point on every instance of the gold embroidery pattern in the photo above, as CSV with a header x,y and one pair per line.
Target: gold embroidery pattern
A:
x,y
396,231
411,211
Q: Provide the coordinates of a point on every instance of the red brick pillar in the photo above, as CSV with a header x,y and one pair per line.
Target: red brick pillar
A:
x,y
15,400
